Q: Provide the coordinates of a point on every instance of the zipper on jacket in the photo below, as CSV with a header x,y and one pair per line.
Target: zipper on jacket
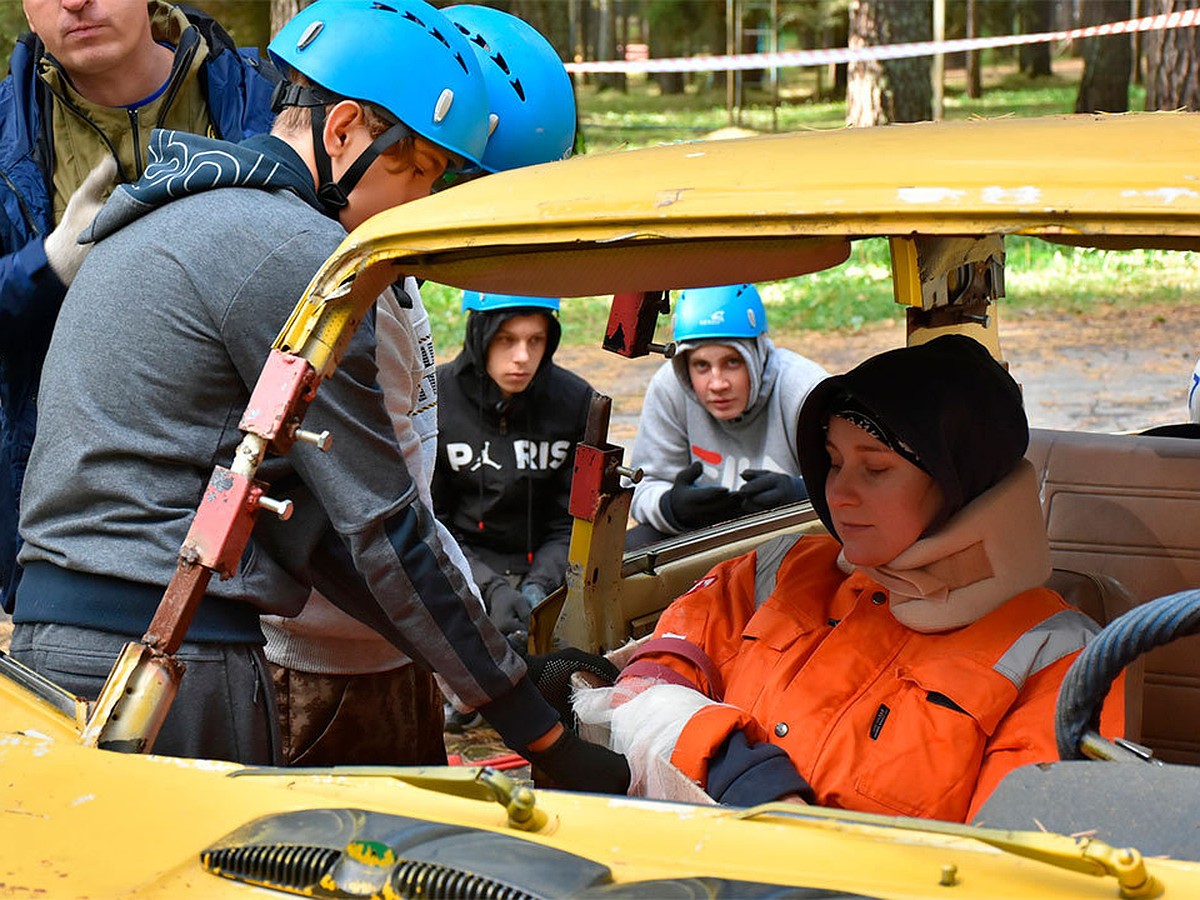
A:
x,y
25,211
137,143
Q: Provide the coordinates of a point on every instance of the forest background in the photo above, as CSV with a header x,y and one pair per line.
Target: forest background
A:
x,y
1153,70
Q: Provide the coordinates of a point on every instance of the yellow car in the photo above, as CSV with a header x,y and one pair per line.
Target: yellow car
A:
x,y
1121,512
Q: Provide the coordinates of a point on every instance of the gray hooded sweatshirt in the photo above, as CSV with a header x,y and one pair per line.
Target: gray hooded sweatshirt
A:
x,y
160,340
675,429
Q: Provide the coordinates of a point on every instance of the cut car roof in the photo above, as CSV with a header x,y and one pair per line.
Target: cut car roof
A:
x,y
763,208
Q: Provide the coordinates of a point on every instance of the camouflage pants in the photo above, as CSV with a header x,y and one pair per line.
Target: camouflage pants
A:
x,y
391,718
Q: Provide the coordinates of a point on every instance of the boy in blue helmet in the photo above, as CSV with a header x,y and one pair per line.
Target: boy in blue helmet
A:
x,y
509,419
346,695
159,323
84,89
717,436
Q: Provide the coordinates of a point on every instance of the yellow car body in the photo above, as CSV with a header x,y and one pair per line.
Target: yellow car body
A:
x,y
82,822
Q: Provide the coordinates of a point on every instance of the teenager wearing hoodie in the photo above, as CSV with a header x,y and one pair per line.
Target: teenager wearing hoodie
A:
x,y
160,340
717,437
903,663
509,418
85,87
347,696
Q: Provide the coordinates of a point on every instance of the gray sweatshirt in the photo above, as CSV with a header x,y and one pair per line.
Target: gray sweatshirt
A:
x,y
675,429
159,342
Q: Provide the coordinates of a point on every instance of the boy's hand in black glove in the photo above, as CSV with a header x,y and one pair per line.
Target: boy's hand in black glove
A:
x,y
508,608
690,506
576,765
767,490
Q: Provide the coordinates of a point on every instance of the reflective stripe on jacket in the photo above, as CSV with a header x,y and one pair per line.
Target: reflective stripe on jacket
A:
x,y
875,716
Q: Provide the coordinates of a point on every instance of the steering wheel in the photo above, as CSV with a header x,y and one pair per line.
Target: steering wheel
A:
x,y
1123,640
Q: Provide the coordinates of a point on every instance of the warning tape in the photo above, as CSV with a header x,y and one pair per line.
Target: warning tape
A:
x,y
1186,18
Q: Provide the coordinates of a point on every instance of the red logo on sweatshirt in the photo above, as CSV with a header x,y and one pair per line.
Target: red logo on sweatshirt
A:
x,y
712,457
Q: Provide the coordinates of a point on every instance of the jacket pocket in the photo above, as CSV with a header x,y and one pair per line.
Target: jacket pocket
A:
x,y
926,740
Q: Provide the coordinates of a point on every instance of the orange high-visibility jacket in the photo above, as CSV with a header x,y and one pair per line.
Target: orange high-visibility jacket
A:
x,y
877,717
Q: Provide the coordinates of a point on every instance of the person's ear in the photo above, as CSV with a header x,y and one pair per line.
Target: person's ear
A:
x,y
342,120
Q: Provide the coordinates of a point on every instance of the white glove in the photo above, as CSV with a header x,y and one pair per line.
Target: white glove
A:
x,y
63,250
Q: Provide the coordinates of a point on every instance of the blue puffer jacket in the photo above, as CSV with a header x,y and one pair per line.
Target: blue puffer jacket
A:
x,y
238,86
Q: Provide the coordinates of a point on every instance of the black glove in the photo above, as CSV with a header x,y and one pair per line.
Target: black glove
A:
x,y
533,593
508,608
551,675
688,506
767,490
576,765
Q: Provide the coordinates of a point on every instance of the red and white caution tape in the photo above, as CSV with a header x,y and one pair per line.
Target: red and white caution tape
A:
x,y
1182,19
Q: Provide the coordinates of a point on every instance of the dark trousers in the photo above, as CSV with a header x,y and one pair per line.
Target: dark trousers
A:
x,y
225,708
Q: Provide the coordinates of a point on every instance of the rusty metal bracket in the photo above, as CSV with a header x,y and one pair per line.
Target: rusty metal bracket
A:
x,y
632,319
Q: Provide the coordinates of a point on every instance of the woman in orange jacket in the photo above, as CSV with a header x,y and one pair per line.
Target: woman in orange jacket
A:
x,y
906,662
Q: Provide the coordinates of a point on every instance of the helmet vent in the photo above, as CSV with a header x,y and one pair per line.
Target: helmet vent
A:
x,y
516,86
310,34
498,59
294,868
384,7
445,98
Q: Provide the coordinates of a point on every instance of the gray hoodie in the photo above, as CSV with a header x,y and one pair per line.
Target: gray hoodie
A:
x,y
159,342
675,429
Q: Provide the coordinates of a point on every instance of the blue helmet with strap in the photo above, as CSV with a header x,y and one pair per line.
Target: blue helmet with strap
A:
x,y
356,49
530,93
729,311
492,302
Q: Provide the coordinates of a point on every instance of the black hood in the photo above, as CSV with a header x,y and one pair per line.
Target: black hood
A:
x,y
953,407
472,361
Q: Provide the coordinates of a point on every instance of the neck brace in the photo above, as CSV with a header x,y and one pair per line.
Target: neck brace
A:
x,y
994,548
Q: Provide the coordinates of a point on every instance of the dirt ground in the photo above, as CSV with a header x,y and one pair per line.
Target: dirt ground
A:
x,y
1115,370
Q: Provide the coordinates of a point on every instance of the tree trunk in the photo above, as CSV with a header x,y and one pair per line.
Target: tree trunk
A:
x,y
283,10
1172,62
1035,17
1106,61
974,76
864,82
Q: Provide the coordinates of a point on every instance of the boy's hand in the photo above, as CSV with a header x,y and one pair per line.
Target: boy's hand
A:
x,y
767,490
690,506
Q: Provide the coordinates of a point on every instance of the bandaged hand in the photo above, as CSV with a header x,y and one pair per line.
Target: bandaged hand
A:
x,y
767,490
63,250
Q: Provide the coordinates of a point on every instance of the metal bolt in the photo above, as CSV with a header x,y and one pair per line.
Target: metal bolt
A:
x,y
667,349
634,475
949,875
322,440
281,508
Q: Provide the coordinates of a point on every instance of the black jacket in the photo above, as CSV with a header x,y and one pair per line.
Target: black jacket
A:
x,y
503,476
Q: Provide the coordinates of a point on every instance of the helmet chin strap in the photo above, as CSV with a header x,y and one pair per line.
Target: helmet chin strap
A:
x,y
334,195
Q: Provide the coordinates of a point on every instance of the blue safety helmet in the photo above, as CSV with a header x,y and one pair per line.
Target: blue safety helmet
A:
x,y
492,302
531,96
404,58
730,311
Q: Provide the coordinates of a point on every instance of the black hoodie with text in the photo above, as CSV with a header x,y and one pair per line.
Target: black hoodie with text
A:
x,y
503,476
